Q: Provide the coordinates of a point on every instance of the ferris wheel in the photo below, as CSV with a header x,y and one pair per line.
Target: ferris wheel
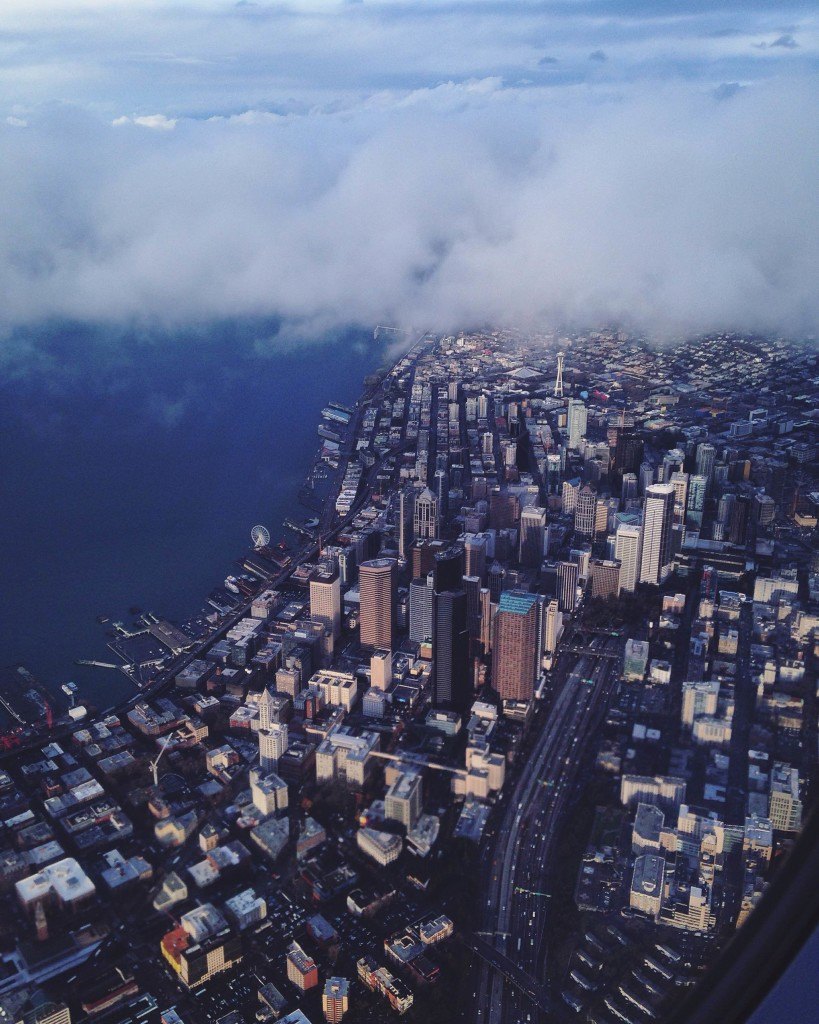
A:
x,y
260,536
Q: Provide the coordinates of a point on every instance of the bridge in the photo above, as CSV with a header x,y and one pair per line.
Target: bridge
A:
x,y
498,961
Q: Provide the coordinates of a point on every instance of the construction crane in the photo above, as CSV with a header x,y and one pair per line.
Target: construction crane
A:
x,y
533,892
157,759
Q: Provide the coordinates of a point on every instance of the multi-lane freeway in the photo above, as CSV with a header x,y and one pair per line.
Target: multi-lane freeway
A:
x,y
516,909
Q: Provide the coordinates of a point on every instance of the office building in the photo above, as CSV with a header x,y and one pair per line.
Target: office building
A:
x,y
425,518
532,536
785,805
404,799
664,791
272,744
628,453
605,578
699,697
585,512
452,685
552,626
515,653
628,546
421,592
568,577
628,490
658,520
475,556
406,516
376,584
325,598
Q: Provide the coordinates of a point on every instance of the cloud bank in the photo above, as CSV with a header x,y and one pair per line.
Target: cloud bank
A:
x,y
517,188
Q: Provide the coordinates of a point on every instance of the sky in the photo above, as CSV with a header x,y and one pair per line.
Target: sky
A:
x,y
439,164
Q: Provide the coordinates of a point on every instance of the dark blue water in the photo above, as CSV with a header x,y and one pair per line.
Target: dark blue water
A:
x,y
133,466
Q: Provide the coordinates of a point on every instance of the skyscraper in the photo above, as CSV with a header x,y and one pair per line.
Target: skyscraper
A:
x,y
706,457
697,490
628,491
628,452
568,576
514,646
420,613
740,520
406,514
325,598
577,418
552,627
532,535
679,481
450,647
377,591
628,546
449,568
658,520
475,554
425,520
585,511
441,486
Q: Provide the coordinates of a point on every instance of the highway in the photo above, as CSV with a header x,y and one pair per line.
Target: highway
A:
x,y
516,910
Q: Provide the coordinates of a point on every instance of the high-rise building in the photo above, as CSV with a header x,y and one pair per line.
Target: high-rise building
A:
x,y
449,568
568,576
585,512
497,575
658,520
552,627
646,476
406,514
628,545
425,519
452,686
325,598
475,555
628,491
514,646
699,697
335,1000
706,457
302,969
504,509
272,744
628,452
740,520
472,587
605,578
679,481
784,803
532,536
697,491
673,462
376,582
441,488
576,420
421,603
404,799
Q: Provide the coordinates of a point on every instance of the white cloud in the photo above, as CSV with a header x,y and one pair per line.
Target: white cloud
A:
x,y
159,122
315,163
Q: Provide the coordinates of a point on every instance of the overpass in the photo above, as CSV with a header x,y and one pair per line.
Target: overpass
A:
x,y
501,963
